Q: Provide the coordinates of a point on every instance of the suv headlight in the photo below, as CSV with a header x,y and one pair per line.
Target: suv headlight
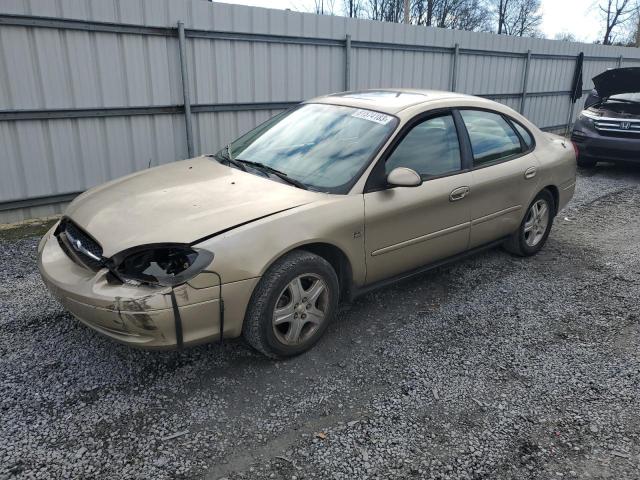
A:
x,y
588,116
165,265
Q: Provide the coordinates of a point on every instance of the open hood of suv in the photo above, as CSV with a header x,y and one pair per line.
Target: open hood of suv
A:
x,y
616,81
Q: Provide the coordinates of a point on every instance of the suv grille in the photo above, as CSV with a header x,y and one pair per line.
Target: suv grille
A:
x,y
617,125
79,246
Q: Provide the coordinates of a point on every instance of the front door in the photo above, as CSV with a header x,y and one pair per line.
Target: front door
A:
x,y
407,227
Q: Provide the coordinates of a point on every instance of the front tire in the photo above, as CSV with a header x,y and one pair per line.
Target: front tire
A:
x,y
535,227
292,305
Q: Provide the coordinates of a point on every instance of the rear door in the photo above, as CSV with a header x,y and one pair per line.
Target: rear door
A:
x,y
407,227
504,175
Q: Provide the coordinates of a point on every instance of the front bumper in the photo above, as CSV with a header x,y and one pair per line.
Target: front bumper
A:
x,y
593,145
142,316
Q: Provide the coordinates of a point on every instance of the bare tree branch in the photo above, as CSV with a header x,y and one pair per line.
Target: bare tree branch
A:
x,y
518,17
458,14
353,8
615,14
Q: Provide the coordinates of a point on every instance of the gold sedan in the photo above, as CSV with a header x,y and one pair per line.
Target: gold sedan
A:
x,y
325,201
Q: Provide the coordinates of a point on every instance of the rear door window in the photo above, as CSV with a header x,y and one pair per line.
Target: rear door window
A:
x,y
492,138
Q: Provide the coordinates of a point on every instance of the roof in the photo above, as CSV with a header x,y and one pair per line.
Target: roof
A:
x,y
387,100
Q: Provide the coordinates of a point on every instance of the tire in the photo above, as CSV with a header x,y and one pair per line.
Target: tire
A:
x,y
531,237
586,162
289,284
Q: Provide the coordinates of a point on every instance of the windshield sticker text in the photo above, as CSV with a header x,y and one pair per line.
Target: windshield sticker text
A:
x,y
377,117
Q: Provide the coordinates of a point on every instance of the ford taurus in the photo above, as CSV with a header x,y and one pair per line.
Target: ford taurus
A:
x,y
328,200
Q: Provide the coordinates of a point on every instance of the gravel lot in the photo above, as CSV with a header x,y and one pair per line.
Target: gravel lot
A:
x,y
493,368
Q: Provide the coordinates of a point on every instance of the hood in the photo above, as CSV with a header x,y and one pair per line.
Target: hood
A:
x,y
180,202
616,81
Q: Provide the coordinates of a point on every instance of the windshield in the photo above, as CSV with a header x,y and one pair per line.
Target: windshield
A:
x,y
324,147
630,97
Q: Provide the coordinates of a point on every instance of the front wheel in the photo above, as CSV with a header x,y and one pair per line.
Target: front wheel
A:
x,y
292,305
535,227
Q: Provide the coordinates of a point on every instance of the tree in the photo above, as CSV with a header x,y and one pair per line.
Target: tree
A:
x,y
615,14
502,15
565,37
385,10
458,14
353,8
474,15
634,30
521,18
325,7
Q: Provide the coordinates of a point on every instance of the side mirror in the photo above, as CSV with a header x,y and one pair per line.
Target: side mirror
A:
x,y
404,177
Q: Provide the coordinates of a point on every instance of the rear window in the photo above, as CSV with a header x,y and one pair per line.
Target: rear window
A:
x,y
524,133
492,138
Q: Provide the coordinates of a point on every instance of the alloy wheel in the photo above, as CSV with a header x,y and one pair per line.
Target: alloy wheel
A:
x,y
536,223
300,309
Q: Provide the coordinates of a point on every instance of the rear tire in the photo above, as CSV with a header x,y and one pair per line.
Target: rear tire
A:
x,y
535,227
292,305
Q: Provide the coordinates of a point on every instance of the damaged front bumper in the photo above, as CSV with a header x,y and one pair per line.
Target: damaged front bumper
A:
x,y
144,316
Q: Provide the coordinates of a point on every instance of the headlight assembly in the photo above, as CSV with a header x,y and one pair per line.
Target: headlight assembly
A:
x,y
165,265
587,115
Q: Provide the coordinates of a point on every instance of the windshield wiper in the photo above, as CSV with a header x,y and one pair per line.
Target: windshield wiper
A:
x,y
229,159
277,173
241,164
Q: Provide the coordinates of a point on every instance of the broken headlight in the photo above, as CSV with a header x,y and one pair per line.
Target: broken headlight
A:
x,y
165,265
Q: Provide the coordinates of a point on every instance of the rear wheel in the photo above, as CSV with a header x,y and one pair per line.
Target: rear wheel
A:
x,y
292,305
535,227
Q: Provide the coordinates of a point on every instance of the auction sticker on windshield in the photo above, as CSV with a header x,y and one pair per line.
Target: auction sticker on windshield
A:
x,y
377,117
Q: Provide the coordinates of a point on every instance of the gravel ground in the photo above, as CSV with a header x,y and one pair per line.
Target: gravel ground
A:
x,y
493,368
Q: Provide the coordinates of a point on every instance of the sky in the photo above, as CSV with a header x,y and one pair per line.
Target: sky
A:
x,y
579,17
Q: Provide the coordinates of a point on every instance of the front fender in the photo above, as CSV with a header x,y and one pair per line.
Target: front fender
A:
x,y
249,250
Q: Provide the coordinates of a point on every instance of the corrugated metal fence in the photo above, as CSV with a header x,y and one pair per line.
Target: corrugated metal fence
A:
x,y
91,90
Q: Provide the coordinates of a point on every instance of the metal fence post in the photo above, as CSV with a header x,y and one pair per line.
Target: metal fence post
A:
x,y
454,70
620,61
347,62
525,81
185,88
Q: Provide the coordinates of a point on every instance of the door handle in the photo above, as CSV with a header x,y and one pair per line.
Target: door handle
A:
x,y
530,172
458,194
